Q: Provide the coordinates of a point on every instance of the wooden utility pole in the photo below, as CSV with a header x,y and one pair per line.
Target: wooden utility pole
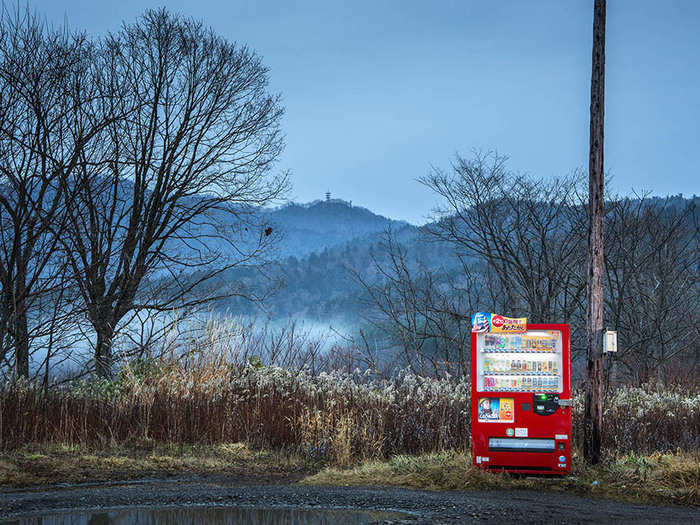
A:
x,y
593,417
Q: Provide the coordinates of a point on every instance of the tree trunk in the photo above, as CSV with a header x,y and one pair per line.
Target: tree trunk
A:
x,y
20,330
21,340
593,417
103,351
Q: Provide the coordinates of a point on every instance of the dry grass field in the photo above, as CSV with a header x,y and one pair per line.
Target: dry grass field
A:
x,y
210,417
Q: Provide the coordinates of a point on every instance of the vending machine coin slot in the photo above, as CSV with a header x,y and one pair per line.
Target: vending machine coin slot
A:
x,y
545,404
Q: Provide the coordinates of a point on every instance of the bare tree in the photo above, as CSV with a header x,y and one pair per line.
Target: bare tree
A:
x,y
426,311
652,285
42,131
162,200
526,231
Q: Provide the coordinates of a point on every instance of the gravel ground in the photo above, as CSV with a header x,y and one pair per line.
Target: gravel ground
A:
x,y
424,506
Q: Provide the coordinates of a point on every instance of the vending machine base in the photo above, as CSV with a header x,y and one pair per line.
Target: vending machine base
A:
x,y
503,456
524,455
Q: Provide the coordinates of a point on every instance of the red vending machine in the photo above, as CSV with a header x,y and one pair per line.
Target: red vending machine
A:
x,y
521,395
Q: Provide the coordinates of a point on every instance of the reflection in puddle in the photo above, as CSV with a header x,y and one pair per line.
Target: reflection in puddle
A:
x,y
215,516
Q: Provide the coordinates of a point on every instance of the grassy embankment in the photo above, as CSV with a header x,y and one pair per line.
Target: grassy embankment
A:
x,y
181,418
50,464
656,478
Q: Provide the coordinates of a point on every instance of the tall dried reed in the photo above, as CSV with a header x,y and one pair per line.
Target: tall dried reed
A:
x,y
330,416
333,416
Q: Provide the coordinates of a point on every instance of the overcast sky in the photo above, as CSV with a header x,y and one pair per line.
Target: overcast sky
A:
x,y
377,92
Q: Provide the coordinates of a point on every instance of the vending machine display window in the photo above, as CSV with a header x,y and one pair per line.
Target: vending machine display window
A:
x,y
528,362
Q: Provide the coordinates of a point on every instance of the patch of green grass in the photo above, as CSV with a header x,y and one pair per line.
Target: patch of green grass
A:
x,y
658,478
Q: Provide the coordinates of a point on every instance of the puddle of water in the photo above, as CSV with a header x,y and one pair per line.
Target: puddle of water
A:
x,y
215,516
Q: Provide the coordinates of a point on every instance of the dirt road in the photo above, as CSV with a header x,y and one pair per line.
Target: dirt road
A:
x,y
423,506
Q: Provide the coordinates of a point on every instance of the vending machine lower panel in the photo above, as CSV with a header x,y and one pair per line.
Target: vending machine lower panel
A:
x,y
525,445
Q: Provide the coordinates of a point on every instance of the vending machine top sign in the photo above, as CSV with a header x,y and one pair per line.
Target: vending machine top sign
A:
x,y
488,322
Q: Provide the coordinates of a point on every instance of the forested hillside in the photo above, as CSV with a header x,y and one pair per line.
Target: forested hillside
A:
x,y
415,287
326,247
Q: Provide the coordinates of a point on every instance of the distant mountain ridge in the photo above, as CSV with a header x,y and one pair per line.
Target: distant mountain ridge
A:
x,y
324,243
327,244
322,224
